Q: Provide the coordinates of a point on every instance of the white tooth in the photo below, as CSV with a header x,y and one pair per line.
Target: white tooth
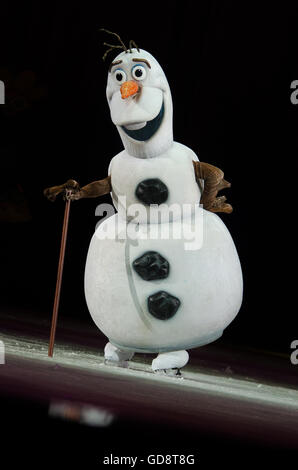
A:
x,y
135,126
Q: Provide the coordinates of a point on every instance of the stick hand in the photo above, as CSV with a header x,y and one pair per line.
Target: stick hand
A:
x,y
71,191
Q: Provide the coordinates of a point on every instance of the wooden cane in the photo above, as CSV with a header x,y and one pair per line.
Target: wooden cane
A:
x,y
59,278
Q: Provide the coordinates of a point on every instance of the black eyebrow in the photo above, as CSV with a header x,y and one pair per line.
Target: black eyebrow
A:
x,y
142,60
114,63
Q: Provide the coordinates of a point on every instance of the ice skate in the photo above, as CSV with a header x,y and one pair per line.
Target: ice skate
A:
x,y
116,356
170,363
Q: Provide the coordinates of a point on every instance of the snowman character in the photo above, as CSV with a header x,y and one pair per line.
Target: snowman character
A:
x,y
148,293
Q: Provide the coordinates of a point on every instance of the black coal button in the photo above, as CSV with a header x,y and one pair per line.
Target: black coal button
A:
x,y
152,191
151,266
163,305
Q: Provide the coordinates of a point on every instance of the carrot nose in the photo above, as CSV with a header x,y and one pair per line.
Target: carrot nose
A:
x,y
128,89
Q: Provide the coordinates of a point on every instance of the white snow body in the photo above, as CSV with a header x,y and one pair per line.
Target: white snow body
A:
x,y
174,168
205,277
204,272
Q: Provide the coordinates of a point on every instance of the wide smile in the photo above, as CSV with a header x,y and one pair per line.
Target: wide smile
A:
x,y
147,130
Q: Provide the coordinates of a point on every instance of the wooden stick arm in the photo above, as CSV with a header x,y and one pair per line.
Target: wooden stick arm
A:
x,y
72,191
214,181
96,189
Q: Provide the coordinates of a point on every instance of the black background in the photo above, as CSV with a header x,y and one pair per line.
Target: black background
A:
x,y
229,65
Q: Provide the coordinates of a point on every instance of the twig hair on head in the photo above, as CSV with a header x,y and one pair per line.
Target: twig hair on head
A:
x,y
117,46
133,44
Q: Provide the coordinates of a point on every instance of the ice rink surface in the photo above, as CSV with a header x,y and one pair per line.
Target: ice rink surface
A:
x,y
217,391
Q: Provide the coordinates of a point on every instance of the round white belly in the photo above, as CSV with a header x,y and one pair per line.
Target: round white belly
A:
x,y
204,274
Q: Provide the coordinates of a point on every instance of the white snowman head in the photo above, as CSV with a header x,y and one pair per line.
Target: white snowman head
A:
x,y
140,102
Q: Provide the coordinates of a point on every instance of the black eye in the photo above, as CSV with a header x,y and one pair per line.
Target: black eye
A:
x,y
139,72
120,76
